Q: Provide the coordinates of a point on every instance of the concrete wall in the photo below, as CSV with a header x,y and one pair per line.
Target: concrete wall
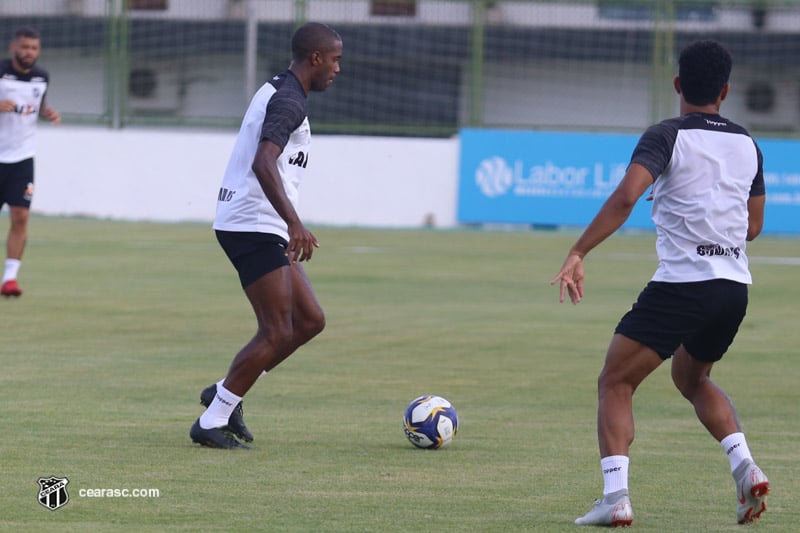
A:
x,y
161,175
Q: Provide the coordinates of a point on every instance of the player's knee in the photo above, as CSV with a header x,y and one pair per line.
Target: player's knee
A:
x,y
686,387
605,381
313,325
275,338
19,218
611,383
688,384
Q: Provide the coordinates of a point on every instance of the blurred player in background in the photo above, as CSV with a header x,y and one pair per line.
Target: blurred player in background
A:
x,y
708,200
23,86
259,229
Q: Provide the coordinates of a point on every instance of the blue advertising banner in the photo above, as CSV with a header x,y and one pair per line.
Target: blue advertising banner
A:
x,y
782,178
562,179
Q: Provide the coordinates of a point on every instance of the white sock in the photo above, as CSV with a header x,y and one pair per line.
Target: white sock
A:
x,y
735,445
220,410
12,268
615,473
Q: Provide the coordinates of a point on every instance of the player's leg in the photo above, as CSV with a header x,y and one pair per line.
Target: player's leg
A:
x,y
716,412
260,259
271,299
725,304
627,363
17,232
15,244
643,339
288,316
308,318
18,194
712,405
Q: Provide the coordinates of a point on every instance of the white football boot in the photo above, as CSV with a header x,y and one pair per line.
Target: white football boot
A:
x,y
613,510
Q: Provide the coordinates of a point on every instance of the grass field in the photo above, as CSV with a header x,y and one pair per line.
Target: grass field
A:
x,y
122,325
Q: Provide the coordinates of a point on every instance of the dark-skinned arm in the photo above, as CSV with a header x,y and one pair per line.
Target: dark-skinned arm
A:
x,y
265,166
755,216
613,214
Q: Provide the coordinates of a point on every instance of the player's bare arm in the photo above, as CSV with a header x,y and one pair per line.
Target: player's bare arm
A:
x,y
613,214
301,241
50,114
755,216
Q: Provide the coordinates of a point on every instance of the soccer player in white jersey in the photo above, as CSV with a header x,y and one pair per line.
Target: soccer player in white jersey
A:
x,y
259,229
708,198
22,101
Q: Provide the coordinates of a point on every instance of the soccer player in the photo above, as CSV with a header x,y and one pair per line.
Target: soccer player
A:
x,y
259,229
708,199
23,86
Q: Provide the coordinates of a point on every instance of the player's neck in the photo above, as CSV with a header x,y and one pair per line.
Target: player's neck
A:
x,y
710,109
19,68
301,75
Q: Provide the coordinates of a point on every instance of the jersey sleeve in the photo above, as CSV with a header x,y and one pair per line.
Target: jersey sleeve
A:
x,y
654,149
758,188
39,72
285,113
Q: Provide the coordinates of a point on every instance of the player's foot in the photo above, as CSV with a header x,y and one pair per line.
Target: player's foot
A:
x,y
614,510
752,487
11,288
214,437
236,420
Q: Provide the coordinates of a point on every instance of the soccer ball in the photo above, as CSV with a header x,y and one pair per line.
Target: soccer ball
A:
x,y
430,422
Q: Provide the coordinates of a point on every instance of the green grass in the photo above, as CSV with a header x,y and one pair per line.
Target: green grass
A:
x,y
122,325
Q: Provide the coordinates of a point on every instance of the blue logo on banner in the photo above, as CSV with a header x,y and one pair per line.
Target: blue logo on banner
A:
x,y
562,179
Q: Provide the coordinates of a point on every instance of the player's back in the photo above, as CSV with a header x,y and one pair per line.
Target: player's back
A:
x,y
700,199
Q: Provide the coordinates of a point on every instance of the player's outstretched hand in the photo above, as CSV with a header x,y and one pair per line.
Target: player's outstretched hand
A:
x,y
50,114
571,278
301,243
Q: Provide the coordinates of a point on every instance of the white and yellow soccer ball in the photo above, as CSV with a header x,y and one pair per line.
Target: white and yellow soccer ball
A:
x,y
430,422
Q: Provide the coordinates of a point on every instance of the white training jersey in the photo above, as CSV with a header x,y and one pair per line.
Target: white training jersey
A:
x,y
18,129
276,113
705,169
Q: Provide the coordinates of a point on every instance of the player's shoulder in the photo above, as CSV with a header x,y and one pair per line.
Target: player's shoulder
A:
x,y
281,90
288,94
734,127
664,131
711,122
39,74
287,84
669,124
5,67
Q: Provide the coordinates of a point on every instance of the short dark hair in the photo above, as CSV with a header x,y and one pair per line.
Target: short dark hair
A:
x,y
312,37
27,32
703,69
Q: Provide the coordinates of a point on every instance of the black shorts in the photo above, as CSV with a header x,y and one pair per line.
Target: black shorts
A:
x,y
704,316
16,183
253,254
